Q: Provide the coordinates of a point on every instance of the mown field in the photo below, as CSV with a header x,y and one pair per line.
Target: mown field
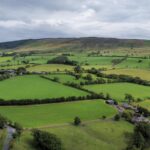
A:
x,y
35,87
103,135
118,90
48,114
143,74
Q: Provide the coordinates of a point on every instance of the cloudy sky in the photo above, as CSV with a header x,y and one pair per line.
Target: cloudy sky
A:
x,y
23,19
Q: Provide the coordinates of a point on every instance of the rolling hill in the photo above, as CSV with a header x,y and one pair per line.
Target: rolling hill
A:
x,y
77,44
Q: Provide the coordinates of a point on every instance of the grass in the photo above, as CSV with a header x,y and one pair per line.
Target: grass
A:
x,y
134,63
4,59
145,104
64,78
35,87
93,60
118,90
50,68
143,74
103,135
2,137
47,114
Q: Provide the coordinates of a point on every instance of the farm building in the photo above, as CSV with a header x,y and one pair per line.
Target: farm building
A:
x,y
111,102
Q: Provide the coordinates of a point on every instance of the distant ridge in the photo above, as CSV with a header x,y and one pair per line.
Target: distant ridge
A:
x,y
72,43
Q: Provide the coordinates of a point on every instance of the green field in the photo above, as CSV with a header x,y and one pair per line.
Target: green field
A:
x,y
65,78
92,60
145,104
143,74
134,63
95,132
118,90
35,87
104,135
4,59
48,114
50,68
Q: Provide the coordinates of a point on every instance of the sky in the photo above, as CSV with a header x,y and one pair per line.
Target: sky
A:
x,y
33,19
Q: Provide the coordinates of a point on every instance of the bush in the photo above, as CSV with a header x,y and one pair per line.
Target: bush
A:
x,y
3,122
103,117
141,137
77,121
117,117
19,129
46,141
128,116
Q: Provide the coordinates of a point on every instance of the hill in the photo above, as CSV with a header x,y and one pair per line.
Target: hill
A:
x,y
78,44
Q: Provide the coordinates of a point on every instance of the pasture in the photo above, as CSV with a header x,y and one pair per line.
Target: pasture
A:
x,y
65,78
35,87
50,68
103,135
4,59
135,63
145,104
118,90
93,60
48,114
143,74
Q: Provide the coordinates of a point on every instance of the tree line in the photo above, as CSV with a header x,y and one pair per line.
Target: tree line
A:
x,y
119,78
51,100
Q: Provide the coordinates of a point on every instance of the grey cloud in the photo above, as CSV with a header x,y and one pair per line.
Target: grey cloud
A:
x,y
21,19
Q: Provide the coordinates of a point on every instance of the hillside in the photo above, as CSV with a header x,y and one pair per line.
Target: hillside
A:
x,y
77,44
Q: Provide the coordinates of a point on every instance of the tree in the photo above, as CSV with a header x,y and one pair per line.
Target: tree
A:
x,y
21,70
117,117
18,128
78,69
3,122
141,137
89,77
129,98
46,141
139,140
56,79
107,96
77,121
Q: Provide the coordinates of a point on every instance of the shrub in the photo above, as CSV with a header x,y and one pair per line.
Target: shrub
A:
x,y
117,117
18,128
77,121
103,117
3,122
46,141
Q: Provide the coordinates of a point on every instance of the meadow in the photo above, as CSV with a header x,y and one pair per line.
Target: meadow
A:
x,y
143,74
48,114
145,104
118,90
35,87
50,68
103,135
65,78
4,59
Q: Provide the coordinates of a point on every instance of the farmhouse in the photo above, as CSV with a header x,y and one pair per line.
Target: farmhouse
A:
x,y
137,119
127,106
10,72
111,102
